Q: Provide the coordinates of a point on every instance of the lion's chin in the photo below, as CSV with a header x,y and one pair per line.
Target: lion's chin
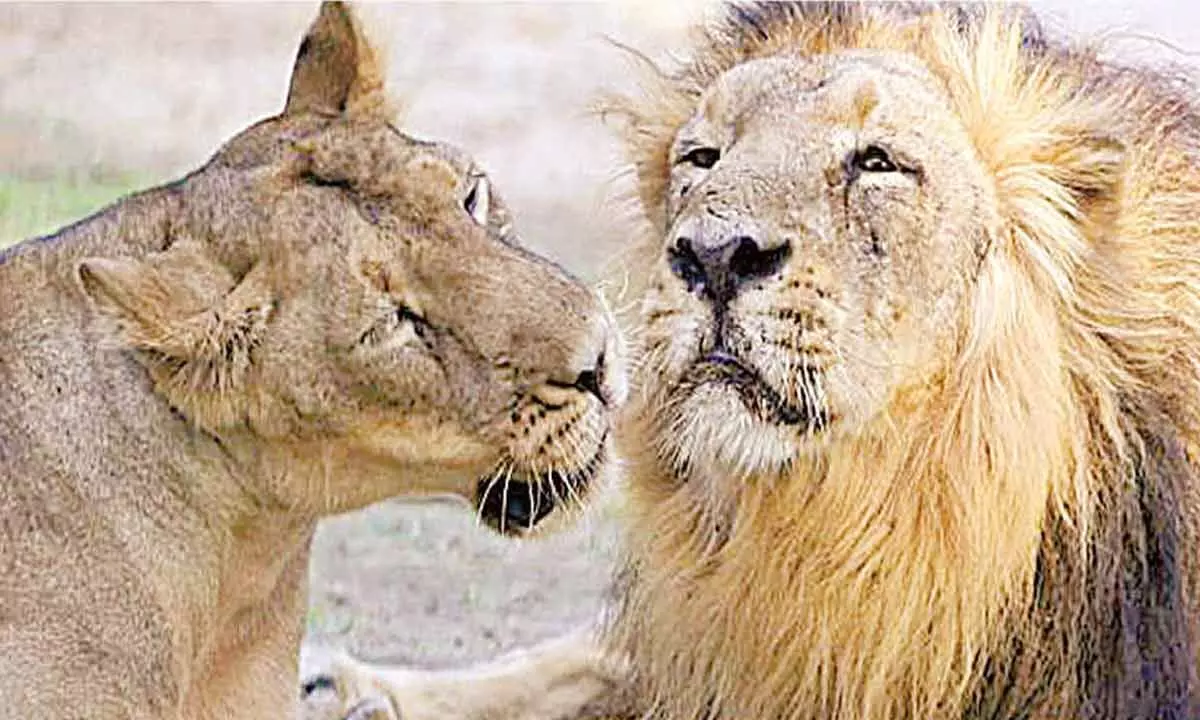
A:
x,y
712,434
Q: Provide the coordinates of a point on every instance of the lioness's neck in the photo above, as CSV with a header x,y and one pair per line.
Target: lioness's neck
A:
x,y
160,518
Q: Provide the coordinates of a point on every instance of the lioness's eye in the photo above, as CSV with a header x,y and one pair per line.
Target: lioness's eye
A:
x,y
478,201
701,157
873,159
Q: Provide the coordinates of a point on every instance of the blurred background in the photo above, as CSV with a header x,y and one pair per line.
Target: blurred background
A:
x,y
98,99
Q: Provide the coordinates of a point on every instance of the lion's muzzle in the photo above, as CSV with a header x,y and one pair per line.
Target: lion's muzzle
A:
x,y
723,368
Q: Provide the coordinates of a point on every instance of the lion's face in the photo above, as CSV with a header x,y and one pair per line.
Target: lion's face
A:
x,y
824,218
356,300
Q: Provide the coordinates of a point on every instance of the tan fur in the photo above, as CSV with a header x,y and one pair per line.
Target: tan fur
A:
x,y
317,319
1030,329
989,507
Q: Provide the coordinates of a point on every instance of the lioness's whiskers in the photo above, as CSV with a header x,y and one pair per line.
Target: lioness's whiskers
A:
x,y
572,492
504,499
501,468
534,500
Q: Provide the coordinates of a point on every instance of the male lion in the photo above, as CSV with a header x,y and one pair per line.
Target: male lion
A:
x,y
918,384
327,314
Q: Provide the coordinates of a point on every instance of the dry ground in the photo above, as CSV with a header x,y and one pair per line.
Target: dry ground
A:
x,y
95,98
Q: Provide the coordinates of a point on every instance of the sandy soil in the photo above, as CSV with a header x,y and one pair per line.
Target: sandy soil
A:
x,y
151,90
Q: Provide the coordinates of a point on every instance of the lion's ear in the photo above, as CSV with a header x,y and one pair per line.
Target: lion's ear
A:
x,y
336,70
1093,165
192,326
647,123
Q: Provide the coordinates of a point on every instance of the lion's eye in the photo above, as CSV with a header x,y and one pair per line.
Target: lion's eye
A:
x,y
478,201
398,327
701,157
874,159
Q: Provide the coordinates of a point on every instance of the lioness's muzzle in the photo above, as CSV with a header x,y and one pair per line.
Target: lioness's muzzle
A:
x,y
515,505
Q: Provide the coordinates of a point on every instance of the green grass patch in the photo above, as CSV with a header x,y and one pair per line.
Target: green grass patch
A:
x,y
29,208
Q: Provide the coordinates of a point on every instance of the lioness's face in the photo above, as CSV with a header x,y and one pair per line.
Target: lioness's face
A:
x,y
824,219
413,325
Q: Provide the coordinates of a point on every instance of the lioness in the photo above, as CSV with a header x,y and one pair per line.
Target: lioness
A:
x,y
327,314
918,386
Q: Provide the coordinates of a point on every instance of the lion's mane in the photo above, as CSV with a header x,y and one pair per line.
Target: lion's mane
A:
x,y
1019,538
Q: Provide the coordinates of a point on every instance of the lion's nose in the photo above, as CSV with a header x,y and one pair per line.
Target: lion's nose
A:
x,y
719,268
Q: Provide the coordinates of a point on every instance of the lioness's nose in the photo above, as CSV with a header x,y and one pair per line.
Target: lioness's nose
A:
x,y
594,373
719,267
597,366
592,379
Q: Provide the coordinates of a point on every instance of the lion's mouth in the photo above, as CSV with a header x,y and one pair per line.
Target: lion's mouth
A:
x,y
515,504
723,368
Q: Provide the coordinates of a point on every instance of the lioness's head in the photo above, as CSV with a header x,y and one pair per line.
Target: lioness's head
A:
x,y
350,306
821,217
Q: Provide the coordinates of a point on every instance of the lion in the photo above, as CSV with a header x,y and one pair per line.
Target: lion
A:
x,y
327,314
917,388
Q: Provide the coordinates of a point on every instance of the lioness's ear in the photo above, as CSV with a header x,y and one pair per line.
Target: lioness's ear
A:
x,y
192,326
336,70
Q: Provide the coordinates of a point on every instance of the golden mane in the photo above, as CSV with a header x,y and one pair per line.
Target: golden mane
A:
x,y
1018,538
